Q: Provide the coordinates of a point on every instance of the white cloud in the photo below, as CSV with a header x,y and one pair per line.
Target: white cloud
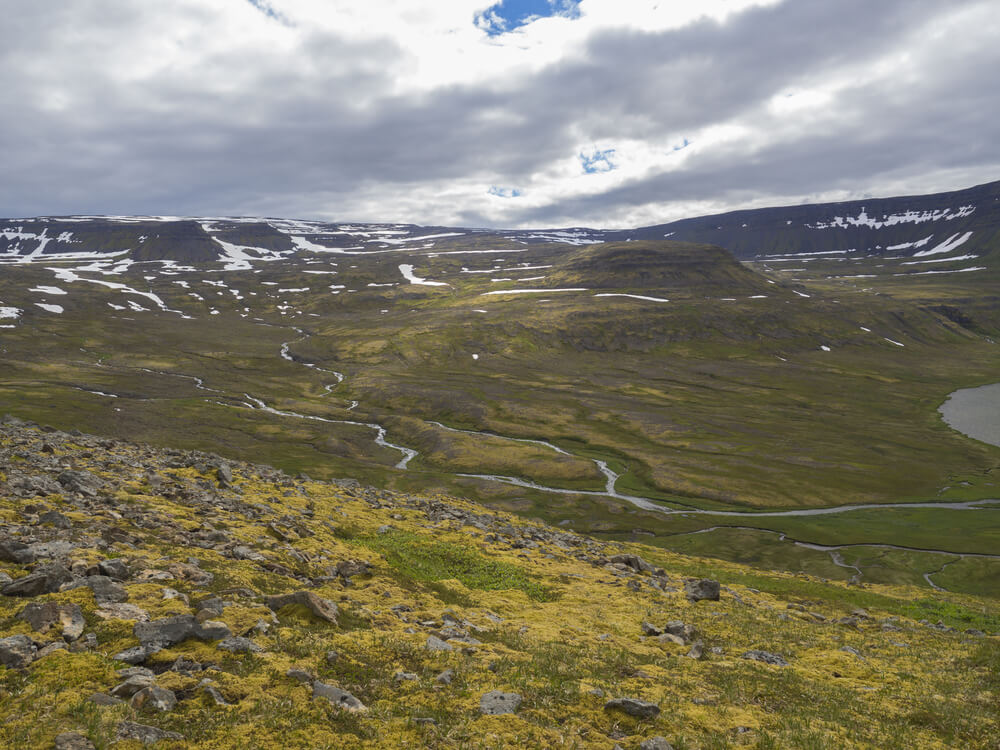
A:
x,y
405,110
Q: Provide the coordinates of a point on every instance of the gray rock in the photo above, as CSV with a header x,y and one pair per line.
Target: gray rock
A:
x,y
324,609
445,677
696,591
13,551
299,674
45,580
170,631
209,689
103,699
681,630
82,482
56,519
41,616
155,697
72,741
147,735
767,657
633,561
671,638
239,645
404,677
134,655
349,568
338,698
497,702
17,651
132,685
655,743
242,552
436,644
106,591
633,707
697,650
115,568
649,628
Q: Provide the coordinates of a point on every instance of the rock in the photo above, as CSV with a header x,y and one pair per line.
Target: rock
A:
x,y
239,645
324,609
50,648
56,519
209,689
633,707
331,657
671,638
17,651
649,628
44,580
147,735
41,616
106,591
349,568
655,743
497,702
13,551
103,699
242,552
299,674
445,677
134,655
72,741
436,644
170,631
225,475
633,561
338,698
697,650
696,591
132,685
767,657
122,612
404,677
82,482
155,697
681,630
115,568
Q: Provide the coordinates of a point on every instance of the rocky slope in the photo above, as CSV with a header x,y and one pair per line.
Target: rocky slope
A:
x,y
172,598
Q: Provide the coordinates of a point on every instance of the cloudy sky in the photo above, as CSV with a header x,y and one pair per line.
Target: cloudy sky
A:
x,y
602,113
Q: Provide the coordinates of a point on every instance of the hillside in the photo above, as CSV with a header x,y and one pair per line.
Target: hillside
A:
x,y
177,599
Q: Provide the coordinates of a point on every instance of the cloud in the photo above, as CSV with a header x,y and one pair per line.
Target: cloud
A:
x,y
399,110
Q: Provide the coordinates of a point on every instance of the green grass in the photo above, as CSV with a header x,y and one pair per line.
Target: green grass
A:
x,y
414,557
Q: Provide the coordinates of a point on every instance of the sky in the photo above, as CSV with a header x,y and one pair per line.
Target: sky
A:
x,y
521,113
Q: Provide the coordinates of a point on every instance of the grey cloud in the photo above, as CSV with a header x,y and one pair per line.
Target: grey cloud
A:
x,y
252,131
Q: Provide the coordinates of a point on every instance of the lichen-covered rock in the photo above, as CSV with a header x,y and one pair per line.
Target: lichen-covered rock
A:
x,y
766,656
324,609
497,702
154,697
72,741
338,698
44,580
239,645
655,743
147,735
41,616
17,651
697,591
170,631
633,707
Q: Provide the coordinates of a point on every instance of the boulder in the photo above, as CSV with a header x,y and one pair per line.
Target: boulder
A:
x,y
705,588
115,568
767,657
72,741
239,645
497,702
82,482
41,616
155,697
436,644
633,707
338,698
147,735
13,551
170,631
44,580
655,743
324,609
106,591
17,651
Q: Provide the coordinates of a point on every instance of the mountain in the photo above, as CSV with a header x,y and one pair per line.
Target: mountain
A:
x,y
908,226
154,596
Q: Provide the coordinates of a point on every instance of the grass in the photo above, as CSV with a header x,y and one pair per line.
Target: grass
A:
x,y
412,556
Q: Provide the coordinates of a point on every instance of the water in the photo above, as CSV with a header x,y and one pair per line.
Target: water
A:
x,y
975,412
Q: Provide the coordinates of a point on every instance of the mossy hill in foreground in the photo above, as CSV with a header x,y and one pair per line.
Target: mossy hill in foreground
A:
x,y
173,599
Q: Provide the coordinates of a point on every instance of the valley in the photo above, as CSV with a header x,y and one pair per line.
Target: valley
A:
x,y
781,410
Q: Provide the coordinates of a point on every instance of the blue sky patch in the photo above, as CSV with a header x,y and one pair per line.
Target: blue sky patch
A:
x,y
508,15
268,10
598,161
502,192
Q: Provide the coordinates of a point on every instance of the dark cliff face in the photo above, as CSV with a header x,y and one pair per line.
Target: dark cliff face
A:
x,y
876,225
